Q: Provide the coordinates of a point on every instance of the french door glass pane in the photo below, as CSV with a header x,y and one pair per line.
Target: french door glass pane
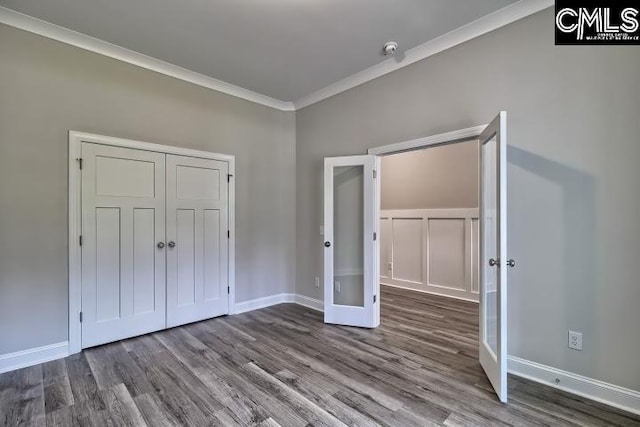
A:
x,y
348,256
490,208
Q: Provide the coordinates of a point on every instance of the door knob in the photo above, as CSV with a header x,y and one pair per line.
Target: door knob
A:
x,y
171,244
327,244
160,245
511,263
494,262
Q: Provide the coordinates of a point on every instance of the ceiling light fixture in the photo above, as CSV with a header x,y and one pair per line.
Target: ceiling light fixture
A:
x,y
389,48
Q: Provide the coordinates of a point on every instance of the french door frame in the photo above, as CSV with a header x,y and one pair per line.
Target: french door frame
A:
x,y
448,138
75,217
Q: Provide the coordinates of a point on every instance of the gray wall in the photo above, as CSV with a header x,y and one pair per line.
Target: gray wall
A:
x,y
435,178
48,88
573,176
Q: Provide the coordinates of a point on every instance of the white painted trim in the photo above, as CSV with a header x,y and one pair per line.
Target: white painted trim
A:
x,y
429,141
258,303
600,391
284,298
33,356
75,224
424,291
83,41
312,303
232,237
341,272
477,28
445,213
75,253
148,146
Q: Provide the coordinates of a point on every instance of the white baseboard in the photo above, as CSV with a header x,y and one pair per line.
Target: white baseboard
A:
x,y
255,304
312,303
33,356
258,303
600,391
442,294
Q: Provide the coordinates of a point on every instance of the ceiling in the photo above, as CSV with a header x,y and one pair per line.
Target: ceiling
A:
x,y
285,49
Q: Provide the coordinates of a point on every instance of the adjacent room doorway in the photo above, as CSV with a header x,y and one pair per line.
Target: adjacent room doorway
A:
x,y
352,244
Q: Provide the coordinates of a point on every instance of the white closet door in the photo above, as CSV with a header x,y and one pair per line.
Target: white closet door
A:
x,y
197,249
123,220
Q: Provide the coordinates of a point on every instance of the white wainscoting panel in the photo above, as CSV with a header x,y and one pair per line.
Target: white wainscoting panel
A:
x,y
431,250
385,249
474,254
407,251
446,249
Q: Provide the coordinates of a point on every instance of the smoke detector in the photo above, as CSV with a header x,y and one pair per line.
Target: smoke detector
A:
x,y
389,48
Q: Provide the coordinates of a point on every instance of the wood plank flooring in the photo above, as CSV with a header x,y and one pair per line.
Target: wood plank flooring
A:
x,y
282,366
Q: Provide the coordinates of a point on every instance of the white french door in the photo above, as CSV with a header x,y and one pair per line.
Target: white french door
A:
x,y
351,285
197,247
351,253
493,253
123,219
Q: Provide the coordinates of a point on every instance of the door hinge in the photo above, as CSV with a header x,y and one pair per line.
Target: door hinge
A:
x,y
228,289
375,236
81,317
228,234
375,174
80,240
229,177
375,297
79,159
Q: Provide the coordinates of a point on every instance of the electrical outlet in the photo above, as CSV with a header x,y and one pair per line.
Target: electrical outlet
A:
x,y
389,266
317,282
337,284
575,340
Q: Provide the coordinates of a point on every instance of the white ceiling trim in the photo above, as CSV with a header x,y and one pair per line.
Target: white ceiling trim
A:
x,y
65,35
495,20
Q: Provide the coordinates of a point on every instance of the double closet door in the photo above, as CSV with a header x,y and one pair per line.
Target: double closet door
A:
x,y
154,241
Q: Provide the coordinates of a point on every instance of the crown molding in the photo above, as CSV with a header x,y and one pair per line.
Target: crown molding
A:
x,y
493,21
55,32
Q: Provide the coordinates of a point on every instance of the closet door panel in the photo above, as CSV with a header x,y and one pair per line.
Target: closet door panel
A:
x,y
185,257
123,219
213,279
197,224
144,260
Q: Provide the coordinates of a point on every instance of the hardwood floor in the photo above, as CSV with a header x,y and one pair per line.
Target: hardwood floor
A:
x,y
282,366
